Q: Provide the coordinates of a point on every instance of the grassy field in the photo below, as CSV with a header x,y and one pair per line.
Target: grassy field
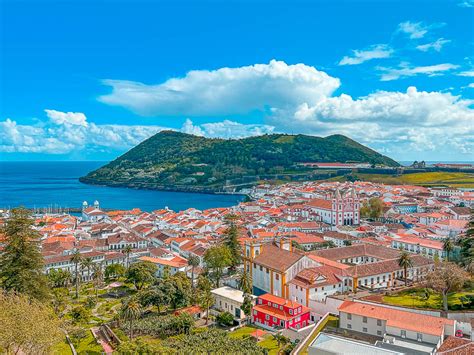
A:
x,y
425,179
88,346
268,342
417,298
61,348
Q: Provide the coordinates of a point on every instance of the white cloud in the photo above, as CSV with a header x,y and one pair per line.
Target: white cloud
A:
x,y
436,45
225,91
377,51
469,73
67,132
410,120
471,85
72,118
405,70
415,30
466,3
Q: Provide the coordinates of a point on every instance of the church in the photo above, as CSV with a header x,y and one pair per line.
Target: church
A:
x,y
338,208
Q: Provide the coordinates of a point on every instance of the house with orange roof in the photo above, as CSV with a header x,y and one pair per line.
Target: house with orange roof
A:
x,y
394,324
423,246
171,262
273,312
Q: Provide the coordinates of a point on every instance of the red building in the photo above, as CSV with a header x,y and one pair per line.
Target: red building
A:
x,y
271,312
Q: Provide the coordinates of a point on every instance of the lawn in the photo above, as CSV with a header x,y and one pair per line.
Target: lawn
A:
x,y
61,348
417,298
268,342
241,332
88,346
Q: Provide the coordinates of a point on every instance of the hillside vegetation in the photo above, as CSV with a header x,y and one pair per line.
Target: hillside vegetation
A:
x,y
174,160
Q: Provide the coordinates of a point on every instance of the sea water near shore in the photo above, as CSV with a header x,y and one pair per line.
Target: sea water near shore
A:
x,y
56,185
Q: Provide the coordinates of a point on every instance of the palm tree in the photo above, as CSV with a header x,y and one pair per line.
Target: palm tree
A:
x,y
448,247
131,311
405,262
127,250
193,261
245,283
76,258
280,339
87,264
97,276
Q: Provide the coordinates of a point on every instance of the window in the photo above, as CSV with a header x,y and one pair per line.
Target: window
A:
x,y
364,330
282,323
364,319
260,301
254,313
379,322
261,268
267,317
379,332
270,304
277,277
349,326
291,311
404,334
349,316
274,319
266,270
419,336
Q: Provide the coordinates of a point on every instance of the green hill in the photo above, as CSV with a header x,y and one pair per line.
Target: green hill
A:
x,y
178,161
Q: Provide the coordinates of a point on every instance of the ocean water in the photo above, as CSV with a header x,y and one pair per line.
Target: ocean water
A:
x,y
56,184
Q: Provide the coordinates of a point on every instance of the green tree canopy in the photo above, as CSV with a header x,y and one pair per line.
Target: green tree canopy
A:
x,y
217,258
141,274
21,263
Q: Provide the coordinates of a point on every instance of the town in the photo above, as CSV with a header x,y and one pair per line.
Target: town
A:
x,y
302,268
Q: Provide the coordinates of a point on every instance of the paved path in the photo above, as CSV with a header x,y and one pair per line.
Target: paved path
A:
x,y
102,341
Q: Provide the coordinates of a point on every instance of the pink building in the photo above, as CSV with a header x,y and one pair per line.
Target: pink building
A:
x,y
275,312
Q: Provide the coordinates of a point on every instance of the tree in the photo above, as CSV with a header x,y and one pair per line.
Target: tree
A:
x,y
225,318
281,339
467,245
405,262
76,258
130,312
97,277
21,263
194,262
80,314
127,250
445,278
448,247
347,243
217,258
141,273
247,306
206,299
372,208
86,263
232,243
27,325
155,296
59,278
114,271
245,283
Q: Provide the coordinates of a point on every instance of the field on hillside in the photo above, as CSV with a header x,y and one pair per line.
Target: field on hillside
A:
x,y
438,178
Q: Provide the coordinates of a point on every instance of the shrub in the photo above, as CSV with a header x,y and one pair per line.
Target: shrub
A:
x,y
225,318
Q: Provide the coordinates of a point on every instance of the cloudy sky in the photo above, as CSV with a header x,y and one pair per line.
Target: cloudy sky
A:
x,y
87,80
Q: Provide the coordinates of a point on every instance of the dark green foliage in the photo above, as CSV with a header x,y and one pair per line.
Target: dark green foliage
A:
x,y
162,326
80,314
21,263
174,159
211,341
141,273
225,318
232,242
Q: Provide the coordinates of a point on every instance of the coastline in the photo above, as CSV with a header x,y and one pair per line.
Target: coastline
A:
x,y
184,189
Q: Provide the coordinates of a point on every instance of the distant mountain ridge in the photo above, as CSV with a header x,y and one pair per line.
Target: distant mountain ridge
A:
x,y
172,160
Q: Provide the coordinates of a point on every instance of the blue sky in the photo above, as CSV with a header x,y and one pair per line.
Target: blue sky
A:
x,y
87,80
